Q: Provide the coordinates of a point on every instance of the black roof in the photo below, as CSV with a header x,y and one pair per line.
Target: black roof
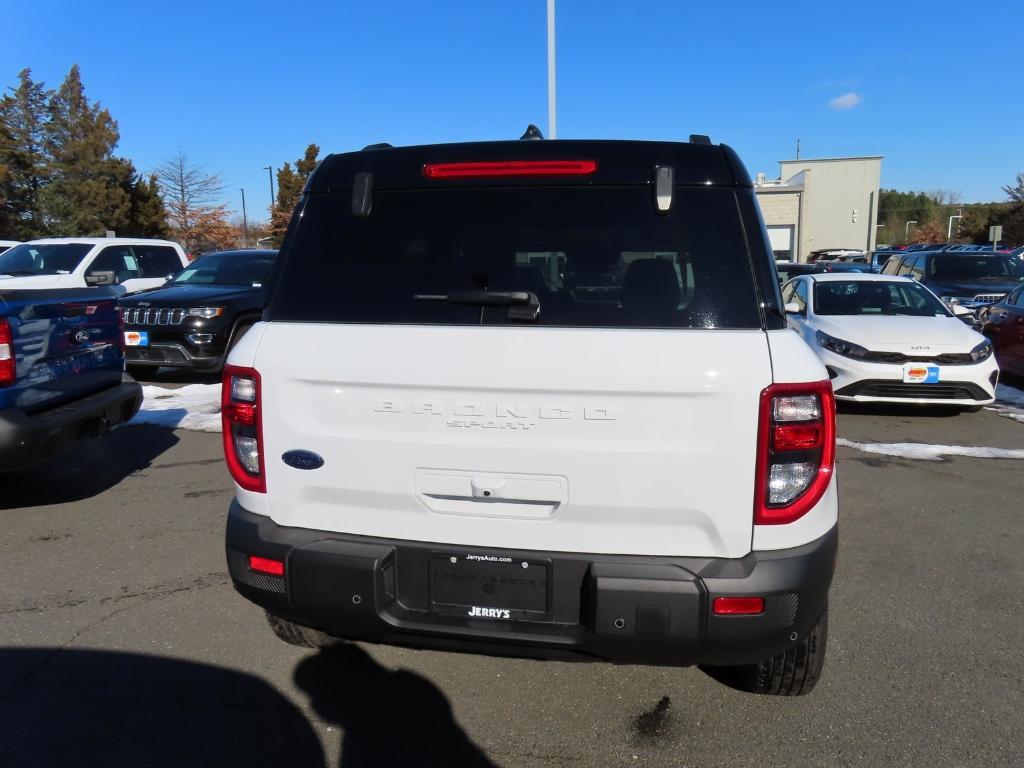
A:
x,y
618,162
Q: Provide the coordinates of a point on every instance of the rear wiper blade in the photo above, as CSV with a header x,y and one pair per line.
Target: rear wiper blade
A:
x,y
522,305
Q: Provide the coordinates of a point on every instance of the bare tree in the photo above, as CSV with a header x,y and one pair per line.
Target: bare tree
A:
x,y
191,194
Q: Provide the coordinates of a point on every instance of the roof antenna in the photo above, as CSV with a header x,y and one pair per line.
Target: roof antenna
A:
x,y
532,133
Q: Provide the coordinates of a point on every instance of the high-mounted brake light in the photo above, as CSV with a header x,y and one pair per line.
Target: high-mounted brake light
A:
x,y
7,361
510,168
242,427
796,445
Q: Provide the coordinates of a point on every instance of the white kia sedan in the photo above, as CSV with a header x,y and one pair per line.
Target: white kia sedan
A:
x,y
890,339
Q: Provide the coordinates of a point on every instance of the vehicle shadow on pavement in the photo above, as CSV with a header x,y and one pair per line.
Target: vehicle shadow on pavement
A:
x,y
88,469
123,710
388,718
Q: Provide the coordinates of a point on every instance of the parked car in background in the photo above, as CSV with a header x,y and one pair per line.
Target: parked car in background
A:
x,y
885,339
1003,324
845,266
61,372
5,244
830,254
878,259
194,320
914,247
787,270
79,262
971,280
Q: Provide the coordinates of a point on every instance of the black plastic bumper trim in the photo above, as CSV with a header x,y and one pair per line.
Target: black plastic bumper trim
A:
x,y
620,608
29,439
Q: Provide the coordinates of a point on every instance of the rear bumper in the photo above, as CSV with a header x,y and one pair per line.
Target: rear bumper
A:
x,y
28,439
628,609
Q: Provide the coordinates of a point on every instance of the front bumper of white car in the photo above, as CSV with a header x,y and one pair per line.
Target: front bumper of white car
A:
x,y
873,382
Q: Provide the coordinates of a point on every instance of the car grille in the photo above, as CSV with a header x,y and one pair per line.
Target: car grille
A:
x,y
988,298
897,389
154,315
950,358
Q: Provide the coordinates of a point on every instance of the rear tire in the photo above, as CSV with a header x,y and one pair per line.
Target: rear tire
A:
x,y
794,672
297,634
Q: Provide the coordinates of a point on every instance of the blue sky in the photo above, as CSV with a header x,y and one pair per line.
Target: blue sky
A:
x,y
937,87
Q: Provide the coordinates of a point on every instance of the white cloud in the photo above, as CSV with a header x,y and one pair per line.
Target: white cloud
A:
x,y
845,102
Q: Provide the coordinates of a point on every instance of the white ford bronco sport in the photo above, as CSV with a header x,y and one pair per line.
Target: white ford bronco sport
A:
x,y
536,398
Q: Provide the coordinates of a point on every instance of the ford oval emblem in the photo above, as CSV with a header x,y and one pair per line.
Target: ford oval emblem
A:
x,y
302,459
80,337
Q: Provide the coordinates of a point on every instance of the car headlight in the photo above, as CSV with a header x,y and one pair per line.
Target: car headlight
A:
x,y
840,347
207,312
982,352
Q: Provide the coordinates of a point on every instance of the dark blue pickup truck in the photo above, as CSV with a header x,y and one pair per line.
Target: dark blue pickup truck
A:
x,y
61,371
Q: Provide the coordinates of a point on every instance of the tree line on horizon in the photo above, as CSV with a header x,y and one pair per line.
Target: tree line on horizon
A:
x,y
931,212
61,176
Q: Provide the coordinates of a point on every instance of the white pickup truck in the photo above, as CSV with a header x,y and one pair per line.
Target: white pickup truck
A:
x,y
536,398
86,262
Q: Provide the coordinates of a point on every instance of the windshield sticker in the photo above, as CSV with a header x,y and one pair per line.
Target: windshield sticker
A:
x,y
130,263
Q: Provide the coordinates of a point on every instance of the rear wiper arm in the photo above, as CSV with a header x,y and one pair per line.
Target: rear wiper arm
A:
x,y
522,305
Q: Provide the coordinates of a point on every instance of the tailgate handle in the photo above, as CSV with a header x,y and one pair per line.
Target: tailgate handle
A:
x,y
484,489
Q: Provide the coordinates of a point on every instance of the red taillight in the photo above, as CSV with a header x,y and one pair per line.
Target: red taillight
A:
x,y
266,565
796,445
242,425
737,606
7,363
510,168
797,437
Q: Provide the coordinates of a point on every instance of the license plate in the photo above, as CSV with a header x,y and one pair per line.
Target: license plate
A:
x,y
136,338
916,373
489,587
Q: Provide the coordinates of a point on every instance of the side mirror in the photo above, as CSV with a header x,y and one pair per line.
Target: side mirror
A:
x,y
960,310
792,308
101,277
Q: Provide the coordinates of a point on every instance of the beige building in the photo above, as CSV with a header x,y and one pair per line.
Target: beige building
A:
x,y
831,203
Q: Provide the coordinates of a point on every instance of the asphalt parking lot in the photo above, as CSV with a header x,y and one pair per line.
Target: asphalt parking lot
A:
x,y
122,642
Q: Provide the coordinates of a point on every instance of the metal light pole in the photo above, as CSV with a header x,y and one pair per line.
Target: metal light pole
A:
x,y
552,132
906,229
270,175
245,221
949,229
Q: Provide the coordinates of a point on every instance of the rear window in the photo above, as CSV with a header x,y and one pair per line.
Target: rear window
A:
x,y
593,256
974,267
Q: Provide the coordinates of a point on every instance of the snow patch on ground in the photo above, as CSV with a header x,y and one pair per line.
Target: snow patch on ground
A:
x,y
194,406
927,452
1009,402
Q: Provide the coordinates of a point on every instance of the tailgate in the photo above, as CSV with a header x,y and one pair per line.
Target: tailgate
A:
x,y
623,441
67,345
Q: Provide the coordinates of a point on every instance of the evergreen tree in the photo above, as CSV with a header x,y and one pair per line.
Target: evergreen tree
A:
x,y
86,193
289,188
23,162
147,215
